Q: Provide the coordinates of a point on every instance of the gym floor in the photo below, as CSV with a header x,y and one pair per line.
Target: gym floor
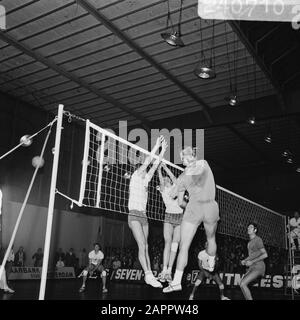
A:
x,y
68,290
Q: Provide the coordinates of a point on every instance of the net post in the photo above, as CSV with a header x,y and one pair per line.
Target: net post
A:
x,y
85,161
100,170
51,203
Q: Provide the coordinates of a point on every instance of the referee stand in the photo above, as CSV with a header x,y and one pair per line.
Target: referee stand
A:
x,y
292,270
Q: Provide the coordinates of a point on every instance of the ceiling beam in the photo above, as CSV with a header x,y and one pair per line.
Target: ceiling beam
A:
x,y
260,62
114,29
50,64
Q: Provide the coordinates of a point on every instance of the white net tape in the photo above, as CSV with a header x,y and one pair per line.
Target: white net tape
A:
x,y
109,162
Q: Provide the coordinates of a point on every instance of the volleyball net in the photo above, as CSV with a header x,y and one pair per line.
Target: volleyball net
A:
x,y
109,162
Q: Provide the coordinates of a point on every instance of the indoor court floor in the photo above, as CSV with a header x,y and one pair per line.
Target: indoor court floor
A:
x,y
68,290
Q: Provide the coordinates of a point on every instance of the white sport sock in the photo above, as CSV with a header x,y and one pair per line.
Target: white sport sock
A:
x,y
164,270
169,270
177,277
148,273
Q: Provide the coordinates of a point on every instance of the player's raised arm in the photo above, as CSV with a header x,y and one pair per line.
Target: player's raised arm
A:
x,y
161,179
164,147
150,157
169,173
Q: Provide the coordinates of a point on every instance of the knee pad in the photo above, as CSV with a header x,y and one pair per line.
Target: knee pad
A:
x,y
103,273
174,246
84,273
221,286
198,282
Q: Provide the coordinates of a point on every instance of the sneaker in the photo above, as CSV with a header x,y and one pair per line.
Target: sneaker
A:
x,y
9,290
104,290
191,297
149,279
224,298
82,289
171,288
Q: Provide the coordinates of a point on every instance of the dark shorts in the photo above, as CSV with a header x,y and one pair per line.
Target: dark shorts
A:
x,y
173,218
135,215
206,274
92,268
198,211
258,267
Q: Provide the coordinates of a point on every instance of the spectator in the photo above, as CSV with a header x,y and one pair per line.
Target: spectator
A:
x,y
10,262
70,260
83,259
156,265
20,258
124,263
136,264
116,263
38,258
60,263
60,254
130,263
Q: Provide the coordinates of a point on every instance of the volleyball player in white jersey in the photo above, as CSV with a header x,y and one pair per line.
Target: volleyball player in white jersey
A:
x,y
173,217
137,217
96,257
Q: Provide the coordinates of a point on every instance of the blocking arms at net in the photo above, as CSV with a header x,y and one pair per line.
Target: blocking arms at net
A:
x,y
160,142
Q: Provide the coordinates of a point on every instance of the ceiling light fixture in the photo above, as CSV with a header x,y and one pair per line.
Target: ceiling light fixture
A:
x,y
204,71
268,138
173,37
252,120
286,153
232,99
205,67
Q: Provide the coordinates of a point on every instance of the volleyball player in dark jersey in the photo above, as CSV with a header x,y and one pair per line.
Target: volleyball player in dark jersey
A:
x,y
255,261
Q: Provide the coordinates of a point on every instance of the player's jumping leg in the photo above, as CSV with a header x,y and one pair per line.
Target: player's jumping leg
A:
x,y
141,239
168,231
187,233
211,218
173,253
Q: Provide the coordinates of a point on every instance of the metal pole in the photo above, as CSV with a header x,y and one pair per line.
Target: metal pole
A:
x,y
51,203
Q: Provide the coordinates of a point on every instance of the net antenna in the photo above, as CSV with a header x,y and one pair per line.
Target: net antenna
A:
x,y
16,227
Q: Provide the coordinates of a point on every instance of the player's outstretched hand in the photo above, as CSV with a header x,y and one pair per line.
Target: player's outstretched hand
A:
x,y
159,140
164,145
